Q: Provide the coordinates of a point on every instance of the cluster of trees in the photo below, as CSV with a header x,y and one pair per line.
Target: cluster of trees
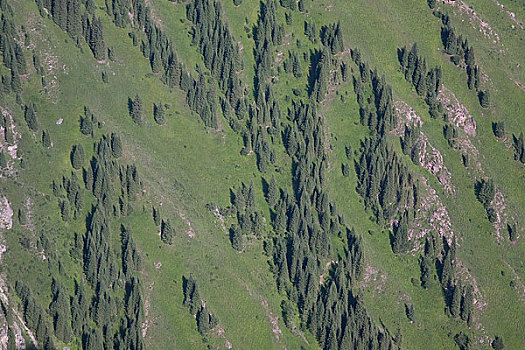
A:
x,y
332,37
115,185
485,192
463,55
300,245
31,118
98,321
384,181
426,82
69,16
35,316
249,218
87,122
221,53
292,64
13,56
201,96
71,203
310,30
197,307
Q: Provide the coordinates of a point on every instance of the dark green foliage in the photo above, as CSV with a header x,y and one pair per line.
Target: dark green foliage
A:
x,y
272,195
60,311
425,265
96,39
310,30
289,4
77,156
332,37
22,215
455,303
79,309
409,310
46,139
116,145
484,98
499,129
426,82
87,121
167,232
345,169
467,305
158,114
485,191
401,244
288,312
131,261
135,109
497,343
462,341
3,160
519,148
156,216
30,117
205,319
513,232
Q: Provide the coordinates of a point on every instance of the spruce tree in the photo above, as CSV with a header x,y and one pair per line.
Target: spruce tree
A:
x,y
46,139
136,110
484,98
158,114
116,145
167,232
3,160
30,117
272,195
77,156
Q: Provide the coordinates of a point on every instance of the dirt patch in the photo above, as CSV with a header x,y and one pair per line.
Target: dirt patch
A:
x,y
6,214
431,159
373,279
147,304
406,117
191,231
432,216
274,320
457,113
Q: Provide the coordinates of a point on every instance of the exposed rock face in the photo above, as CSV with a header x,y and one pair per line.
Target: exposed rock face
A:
x,y
457,113
6,214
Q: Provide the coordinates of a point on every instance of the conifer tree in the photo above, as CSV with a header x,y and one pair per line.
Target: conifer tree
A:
x,y
167,232
3,160
77,156
455,303
136,110
158,114
30,117
116,145
46,139
273,192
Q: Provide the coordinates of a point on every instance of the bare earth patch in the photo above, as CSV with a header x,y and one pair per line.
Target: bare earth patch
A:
x,y
432,216
405,116
457,113
6,214
431,159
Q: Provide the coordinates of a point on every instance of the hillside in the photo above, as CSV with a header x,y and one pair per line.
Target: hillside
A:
x,y
273,174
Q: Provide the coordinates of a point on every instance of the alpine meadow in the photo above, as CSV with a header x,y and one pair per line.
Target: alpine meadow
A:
x,y
275,174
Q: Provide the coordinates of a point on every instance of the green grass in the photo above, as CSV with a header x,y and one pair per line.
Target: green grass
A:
x,y
185,166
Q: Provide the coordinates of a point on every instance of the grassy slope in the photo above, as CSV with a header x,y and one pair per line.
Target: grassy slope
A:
x,y
234,284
